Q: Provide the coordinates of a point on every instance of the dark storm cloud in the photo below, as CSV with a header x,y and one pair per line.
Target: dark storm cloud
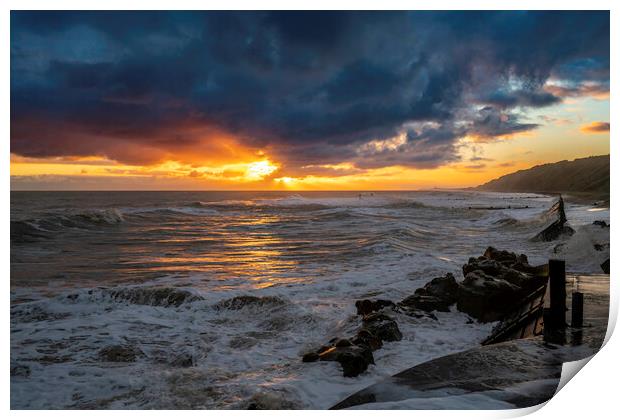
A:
x,y
491,123
523,98
312,87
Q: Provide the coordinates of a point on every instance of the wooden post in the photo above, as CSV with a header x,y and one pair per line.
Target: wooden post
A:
x,y
577,310
557,292
551,333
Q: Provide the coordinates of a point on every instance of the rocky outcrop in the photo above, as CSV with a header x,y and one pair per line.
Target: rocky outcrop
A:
x,y
382,326
355,354
353,359
493,284
486,298
437,295
366,306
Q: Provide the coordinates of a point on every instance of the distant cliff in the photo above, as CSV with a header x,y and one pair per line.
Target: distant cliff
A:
x,y
588,176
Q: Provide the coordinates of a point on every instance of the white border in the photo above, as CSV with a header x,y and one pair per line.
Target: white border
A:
x,y
593,394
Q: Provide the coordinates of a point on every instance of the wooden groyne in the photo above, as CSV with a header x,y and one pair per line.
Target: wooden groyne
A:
x,y
543,311
525,321
500,369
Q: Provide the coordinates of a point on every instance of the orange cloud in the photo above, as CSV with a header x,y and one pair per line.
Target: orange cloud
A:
x,y
594,90
596,127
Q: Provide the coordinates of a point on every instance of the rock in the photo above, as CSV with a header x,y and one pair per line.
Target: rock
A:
x,y
120,353
516,277
487,298
310,357
368,339
354,355
365,307
487,266
437,295
535,270
353,360
600,223
605,266
428,303
598,247
323,348
382,326
343,343
504,257
493,283
506,265
440,286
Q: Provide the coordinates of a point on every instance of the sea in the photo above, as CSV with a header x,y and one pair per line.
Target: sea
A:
x,y
156,272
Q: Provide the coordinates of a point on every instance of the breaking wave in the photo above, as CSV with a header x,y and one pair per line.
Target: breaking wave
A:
x,y
137,295
44,227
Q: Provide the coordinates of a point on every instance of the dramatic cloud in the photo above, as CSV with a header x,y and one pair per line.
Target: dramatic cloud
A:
x,y
310,89
596,127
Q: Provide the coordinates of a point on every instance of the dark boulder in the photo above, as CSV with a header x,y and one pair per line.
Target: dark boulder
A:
x,y
494,282
600,223
487,298
366,306
503,256
353,359
343,343
506,265
440,286
494,269
382,326
437,295
605,266
355,354
367,339
487,266
428,303
310,357
535,270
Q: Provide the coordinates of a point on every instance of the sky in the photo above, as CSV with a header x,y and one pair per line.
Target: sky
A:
x,y
302,100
